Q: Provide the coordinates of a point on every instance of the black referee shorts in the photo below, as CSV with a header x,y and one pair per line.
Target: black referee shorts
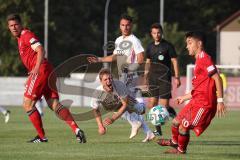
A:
x,y
160,85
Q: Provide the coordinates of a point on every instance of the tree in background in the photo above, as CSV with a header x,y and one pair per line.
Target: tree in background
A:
x,y
10,63
76,27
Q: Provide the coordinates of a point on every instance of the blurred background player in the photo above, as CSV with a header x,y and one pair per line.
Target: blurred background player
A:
x,y
38,83
204,102
128,49
113,95
129,54
224,82
160,56
6,114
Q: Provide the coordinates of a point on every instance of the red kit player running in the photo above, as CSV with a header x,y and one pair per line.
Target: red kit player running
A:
x,y
32,55
206,97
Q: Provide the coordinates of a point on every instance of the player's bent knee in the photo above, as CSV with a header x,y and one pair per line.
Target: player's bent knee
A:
x,y
183,130
28,104
53,104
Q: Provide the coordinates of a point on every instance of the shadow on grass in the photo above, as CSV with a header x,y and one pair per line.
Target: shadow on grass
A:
x,y
227,156
218,143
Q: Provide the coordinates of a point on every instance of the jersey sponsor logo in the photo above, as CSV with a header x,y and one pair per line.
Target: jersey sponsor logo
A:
x,y
124,45
161,57
120,52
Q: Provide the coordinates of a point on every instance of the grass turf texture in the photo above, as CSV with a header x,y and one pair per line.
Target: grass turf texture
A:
x,y
220,141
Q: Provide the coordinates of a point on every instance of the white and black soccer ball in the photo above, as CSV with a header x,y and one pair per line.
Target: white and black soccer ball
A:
x,y
158,115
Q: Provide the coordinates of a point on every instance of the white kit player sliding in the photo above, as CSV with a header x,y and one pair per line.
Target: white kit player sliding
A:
x,y
113,95
6,114
128,52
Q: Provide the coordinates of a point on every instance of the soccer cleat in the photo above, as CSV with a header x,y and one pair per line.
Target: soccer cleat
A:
x,y
7,116
171,111
174,151
150,136
81,138
157,133
37,139
135,129
167,142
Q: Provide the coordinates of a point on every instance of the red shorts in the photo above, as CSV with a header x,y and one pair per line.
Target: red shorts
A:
x,y
41,85
196,116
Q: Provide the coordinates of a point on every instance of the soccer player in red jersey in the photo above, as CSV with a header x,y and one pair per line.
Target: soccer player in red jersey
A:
x,y
38,82
206,97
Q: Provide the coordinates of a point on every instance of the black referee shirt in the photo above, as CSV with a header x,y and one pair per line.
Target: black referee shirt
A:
x,y
160,54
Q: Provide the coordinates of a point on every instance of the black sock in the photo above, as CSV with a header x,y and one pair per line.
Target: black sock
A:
x,y
159,130
171,111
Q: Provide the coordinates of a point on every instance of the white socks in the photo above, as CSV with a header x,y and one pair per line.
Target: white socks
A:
x,y
39,106
3,110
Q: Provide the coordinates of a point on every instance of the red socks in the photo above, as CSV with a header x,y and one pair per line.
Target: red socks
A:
x,y
36,120
175,134
64,114
183,142
180,139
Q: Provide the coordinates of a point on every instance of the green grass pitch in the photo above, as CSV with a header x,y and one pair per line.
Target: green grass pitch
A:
x,y
221,141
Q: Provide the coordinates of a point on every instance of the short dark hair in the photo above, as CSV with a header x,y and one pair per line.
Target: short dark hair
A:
x,y
15,17
103,72
127,17
157,26
199,35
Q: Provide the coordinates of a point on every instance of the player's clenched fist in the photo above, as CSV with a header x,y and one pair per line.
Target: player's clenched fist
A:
x,y
93,59
101,130
179,100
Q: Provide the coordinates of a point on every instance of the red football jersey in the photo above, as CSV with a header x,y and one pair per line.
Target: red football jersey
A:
x,y
27,43
204,89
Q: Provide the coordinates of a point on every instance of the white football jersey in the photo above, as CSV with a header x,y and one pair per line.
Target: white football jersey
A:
x,y
129,46
112,101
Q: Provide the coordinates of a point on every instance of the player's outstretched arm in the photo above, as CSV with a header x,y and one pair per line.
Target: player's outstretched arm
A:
x,y
98,117
221,109
181,99
101,59
115,116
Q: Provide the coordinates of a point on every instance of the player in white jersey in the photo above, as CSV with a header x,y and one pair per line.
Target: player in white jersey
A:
x,y
113,95
128,51
128,48
6,114
129,54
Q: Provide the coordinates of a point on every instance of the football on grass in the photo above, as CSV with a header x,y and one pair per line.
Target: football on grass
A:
x,y
158,115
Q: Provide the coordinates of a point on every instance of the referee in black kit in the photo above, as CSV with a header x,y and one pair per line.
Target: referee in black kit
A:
x,y
160,57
